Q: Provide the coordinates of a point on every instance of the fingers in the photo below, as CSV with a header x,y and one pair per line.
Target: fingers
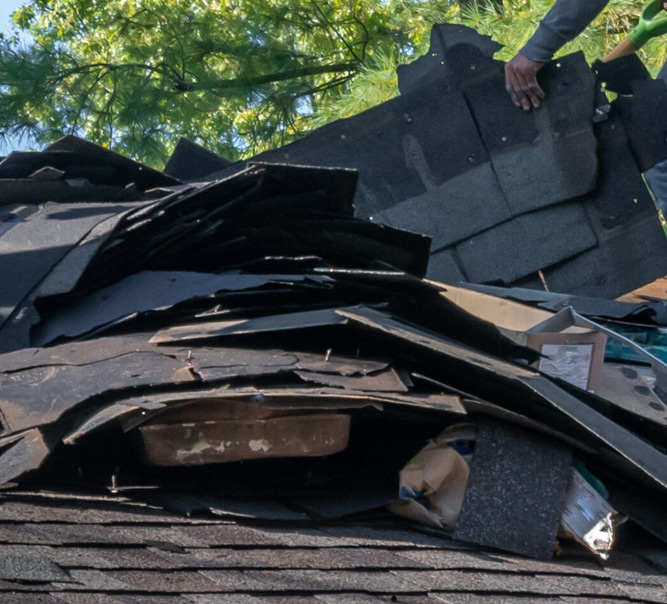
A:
x,y
521,82
522,93
523,88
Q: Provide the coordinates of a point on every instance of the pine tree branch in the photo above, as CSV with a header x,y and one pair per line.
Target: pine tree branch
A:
x,y
213,85
267,78
330,26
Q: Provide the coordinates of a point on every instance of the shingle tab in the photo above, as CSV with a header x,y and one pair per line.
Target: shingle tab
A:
x,y
515,492
31,569
525,244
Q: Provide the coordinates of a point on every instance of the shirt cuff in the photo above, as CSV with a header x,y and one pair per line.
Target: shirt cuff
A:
x,y
542,46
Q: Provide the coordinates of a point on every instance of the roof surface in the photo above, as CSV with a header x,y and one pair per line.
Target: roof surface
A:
x,y
63,548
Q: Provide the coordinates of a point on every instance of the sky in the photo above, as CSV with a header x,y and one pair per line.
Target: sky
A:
x,y
7,7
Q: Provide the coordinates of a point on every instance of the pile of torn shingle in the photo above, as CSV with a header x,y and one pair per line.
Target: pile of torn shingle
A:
x,y
249,335
195,342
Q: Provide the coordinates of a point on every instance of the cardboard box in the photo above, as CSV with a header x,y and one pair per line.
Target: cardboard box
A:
x,y
576,358
573,352
225,440
512,318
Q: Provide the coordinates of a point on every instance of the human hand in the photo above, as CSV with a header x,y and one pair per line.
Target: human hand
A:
x,y
521,82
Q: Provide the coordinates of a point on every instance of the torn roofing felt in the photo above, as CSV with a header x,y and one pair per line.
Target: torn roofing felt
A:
x,y
192,162
73,159
505,193
211,227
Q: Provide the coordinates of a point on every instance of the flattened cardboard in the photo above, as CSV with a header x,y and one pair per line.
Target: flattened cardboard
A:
x,y
506,314
219,441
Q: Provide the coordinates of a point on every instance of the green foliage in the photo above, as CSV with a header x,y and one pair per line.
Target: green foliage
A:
x,y
516,20
238,76
375,82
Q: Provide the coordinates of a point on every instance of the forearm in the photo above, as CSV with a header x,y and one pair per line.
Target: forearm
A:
x,y
565,21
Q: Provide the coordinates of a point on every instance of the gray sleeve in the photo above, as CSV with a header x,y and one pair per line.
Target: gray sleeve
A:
x,y
564,22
